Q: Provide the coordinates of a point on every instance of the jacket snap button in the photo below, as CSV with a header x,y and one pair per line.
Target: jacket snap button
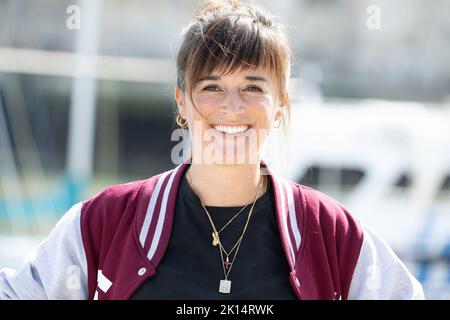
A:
x,y
142,271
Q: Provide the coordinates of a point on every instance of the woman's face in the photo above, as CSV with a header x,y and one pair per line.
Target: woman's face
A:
x,y
239,110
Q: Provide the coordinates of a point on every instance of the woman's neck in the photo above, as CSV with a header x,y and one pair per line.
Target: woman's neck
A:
x,y
226,185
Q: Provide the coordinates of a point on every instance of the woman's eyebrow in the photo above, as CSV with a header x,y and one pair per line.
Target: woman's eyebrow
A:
x,y
216,78
256,78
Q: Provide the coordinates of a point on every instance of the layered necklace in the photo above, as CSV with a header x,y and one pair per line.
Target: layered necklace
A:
x,y
227,256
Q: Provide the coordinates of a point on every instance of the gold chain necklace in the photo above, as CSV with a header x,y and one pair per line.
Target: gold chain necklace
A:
x,y
216,233
225,284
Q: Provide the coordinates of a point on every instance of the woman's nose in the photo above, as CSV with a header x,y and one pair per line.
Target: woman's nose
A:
x,y
233,104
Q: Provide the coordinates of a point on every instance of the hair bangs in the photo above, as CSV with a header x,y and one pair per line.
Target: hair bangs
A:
x,y
230,44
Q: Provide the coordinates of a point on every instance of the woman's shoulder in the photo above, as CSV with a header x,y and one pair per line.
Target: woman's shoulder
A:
x,y
317,199
117,192
324,208
123,191
117,199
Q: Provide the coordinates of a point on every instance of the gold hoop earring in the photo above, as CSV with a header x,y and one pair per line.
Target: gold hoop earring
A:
x,y
277,124
183,123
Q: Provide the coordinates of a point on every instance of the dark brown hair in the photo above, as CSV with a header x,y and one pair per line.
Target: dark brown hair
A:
x,y
227,35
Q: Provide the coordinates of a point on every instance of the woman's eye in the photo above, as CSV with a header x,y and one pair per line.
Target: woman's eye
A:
x,y
254,89
211,88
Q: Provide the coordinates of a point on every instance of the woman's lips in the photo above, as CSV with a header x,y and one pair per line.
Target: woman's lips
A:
x,y
231,129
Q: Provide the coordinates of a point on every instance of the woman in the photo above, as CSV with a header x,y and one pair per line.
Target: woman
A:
x,y
221,225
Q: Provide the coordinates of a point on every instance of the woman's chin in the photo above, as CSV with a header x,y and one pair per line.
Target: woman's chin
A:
x,y
231,156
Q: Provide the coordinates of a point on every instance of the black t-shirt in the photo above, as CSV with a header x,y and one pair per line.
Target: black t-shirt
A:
x,y
191,267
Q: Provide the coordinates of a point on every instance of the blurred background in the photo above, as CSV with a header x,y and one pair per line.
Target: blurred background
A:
x,y
86,101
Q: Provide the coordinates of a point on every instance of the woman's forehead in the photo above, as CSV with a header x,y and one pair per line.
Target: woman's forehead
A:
x,y
252,73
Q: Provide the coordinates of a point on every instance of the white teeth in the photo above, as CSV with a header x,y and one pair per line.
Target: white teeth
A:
x,y
231,129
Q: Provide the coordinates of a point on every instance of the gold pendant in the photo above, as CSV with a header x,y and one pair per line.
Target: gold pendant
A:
x,y
215,241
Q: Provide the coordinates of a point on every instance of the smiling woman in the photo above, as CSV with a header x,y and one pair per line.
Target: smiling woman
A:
x,y
213,229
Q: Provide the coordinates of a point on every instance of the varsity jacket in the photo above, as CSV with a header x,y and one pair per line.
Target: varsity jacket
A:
x,y
108,246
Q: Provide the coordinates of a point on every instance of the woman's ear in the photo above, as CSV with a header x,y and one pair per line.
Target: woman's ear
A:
x,y
284,99
279,115
278,119
179,97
